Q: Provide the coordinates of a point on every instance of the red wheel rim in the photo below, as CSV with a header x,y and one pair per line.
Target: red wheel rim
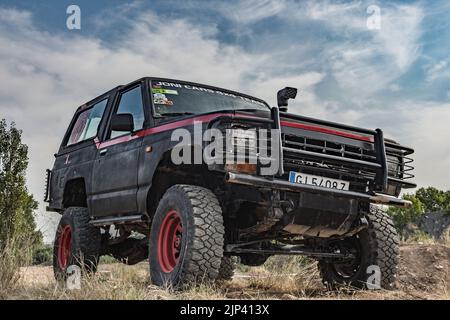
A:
x,y
169,241
64,247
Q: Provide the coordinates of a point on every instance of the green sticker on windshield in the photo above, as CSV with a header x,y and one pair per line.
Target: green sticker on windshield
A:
x,y
164,91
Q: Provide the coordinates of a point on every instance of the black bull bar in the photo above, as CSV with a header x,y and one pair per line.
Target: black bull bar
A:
x,y
375,195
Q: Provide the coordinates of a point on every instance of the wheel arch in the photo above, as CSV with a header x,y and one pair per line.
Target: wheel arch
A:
x,y
74,194
167,174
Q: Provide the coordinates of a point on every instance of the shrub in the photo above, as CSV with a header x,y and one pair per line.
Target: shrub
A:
x,y
402,218
43,254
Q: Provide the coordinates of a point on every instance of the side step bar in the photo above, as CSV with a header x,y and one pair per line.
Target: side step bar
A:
x,y
118,220
246,179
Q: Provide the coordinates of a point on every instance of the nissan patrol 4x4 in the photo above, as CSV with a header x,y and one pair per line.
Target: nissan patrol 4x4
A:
x,y
189,176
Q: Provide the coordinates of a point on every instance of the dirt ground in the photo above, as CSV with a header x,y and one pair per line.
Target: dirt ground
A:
x,y
425,269
424,273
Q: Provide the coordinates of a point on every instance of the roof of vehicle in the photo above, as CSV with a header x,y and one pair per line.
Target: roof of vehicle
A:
x,y
176,81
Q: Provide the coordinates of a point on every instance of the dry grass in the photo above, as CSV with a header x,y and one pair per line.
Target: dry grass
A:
x,y
12,257
279,278
112,282
446,236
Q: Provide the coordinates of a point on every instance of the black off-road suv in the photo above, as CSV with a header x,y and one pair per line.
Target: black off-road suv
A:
x,y
132,180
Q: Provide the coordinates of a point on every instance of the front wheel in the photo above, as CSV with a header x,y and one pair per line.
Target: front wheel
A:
x,y
186,237
375,250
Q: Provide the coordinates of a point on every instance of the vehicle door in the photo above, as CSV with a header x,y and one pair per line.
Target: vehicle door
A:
x,y
115,172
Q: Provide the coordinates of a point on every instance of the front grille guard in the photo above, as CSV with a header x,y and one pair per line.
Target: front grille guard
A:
x,y
375,171
398,163
365,166
404,161
371,166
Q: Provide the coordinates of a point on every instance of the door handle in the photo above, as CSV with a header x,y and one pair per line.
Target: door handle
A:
x,y
103,152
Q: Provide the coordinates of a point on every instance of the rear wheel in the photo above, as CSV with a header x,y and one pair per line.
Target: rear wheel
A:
x,y
186,237
227,266
375,248
76,243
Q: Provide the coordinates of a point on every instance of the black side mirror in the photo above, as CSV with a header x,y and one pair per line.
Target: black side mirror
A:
x,y
284,95
122,122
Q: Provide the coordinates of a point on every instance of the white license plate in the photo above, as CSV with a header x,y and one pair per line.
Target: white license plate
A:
x,y
318,181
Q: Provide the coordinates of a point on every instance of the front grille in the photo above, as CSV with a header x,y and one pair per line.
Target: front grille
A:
x,y
360,177
327,147
356,162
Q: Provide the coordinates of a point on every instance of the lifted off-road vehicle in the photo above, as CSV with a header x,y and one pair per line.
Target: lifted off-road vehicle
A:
x,y
136,177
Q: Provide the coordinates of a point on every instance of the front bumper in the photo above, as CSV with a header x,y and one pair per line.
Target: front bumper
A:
x,y
277,184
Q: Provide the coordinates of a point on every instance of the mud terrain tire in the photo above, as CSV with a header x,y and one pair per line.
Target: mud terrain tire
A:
x,y
227,266
186,238
76,243
378,246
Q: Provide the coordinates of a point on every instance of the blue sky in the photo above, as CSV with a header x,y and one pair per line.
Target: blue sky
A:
x,y
395,77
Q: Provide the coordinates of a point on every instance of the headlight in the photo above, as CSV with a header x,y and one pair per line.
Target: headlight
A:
x,y
243,138
394,167
241,145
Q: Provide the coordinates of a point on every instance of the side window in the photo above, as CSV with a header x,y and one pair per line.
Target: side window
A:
x,y
87,123
131,102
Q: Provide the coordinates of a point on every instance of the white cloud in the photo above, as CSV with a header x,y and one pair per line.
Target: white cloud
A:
x,y
362,61
366,61
437,70
251,11
15,17
395,87
423,126
339,15
428,132
400,33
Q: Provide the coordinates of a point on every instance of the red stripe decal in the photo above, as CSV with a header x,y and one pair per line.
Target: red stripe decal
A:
x,y
210,117
326,130
167,127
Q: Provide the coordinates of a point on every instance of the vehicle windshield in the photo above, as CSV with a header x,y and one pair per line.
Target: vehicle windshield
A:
x,y
173,99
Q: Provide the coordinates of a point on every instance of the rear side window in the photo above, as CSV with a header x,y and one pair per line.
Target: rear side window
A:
x,y
87,123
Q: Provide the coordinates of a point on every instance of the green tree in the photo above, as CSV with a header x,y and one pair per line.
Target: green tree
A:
x,y
434,199
403,217
425,200
17,205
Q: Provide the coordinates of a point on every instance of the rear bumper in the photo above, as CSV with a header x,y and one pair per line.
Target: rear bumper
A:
x,y
277,184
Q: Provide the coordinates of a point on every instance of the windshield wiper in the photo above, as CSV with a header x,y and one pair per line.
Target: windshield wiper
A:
x,y
176,114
